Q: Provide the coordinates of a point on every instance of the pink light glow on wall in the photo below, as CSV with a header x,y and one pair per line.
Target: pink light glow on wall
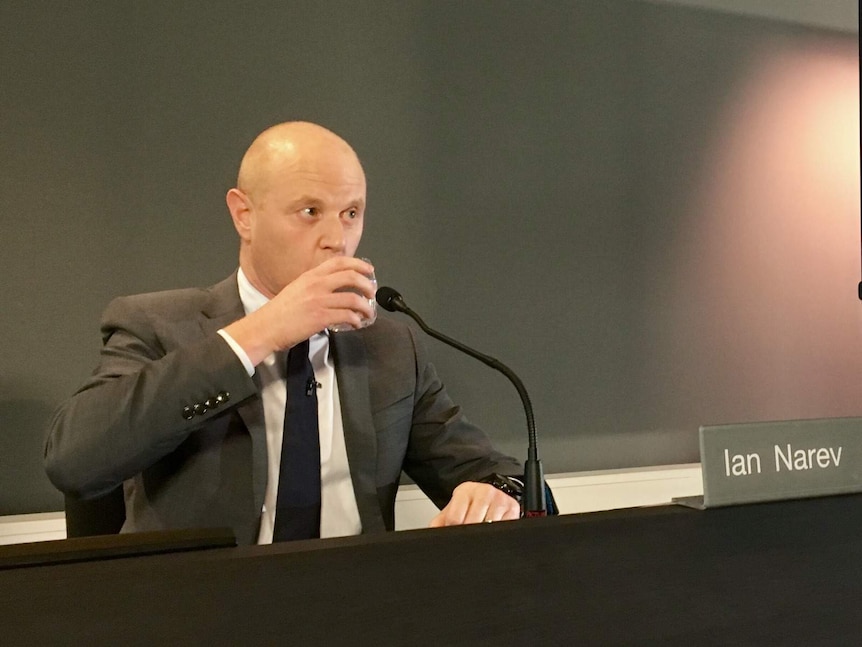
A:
x,y
762,314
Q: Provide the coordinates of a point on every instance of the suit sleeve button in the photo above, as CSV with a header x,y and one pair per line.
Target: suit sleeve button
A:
x,y
199,409
211,403
188,413
223,397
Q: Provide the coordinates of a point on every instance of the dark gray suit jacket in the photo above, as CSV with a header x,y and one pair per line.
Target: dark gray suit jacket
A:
x,y
161,354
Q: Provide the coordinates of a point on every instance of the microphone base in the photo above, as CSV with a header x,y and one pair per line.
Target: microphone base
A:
x,y
535,504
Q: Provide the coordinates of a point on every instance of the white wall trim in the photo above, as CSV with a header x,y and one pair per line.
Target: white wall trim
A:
x,y
23,528
574,492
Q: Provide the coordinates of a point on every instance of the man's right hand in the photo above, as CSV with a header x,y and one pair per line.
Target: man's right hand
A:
x,y
312,302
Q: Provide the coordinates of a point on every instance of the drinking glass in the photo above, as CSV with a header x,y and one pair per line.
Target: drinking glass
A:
x,y
366,321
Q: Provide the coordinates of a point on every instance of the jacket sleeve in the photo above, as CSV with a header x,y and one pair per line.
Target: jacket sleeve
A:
x,y
139,403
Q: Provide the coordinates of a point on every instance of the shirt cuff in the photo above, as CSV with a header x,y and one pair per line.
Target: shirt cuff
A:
x,y
237,349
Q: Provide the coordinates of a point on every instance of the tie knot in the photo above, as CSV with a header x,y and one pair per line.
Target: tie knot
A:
x,y
297,360
301,349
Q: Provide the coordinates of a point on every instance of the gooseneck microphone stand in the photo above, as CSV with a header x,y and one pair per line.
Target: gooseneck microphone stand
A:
x,y
535,504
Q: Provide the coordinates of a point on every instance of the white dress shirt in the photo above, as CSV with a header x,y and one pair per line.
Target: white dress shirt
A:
x,y
339,515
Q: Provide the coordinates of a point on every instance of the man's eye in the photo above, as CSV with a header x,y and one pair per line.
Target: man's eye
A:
x,y
352,214
310,211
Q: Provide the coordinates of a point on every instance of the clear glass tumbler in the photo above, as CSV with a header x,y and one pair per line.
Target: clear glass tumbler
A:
x,y
366,321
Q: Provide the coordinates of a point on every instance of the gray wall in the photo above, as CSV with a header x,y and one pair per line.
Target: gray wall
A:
x,y
604,195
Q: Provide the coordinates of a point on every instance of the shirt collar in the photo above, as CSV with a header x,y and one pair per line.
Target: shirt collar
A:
x,y
252,299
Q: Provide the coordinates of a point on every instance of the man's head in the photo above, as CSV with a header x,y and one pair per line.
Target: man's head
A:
x,y
299,200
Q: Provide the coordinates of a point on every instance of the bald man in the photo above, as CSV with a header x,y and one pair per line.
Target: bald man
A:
x,y
186,409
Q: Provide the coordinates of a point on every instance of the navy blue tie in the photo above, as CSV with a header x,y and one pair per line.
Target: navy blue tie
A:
x,y
297,511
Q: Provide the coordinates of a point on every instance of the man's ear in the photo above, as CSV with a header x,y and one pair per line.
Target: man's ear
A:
x,y
240,209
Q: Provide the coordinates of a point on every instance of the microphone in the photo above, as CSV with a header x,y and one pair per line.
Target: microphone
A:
x,y
535,504
310,385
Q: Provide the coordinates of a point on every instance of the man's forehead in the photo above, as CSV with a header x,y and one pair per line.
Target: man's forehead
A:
x,y
318,183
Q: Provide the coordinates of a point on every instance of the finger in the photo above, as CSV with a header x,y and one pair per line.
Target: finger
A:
x,y
499,505
339,317
502,507
346,281
351,302
513,511
361,283
452,514
504,511
494,514
477,512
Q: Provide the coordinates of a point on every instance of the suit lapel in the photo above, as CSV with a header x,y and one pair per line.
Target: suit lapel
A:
x,y
351,371
223,308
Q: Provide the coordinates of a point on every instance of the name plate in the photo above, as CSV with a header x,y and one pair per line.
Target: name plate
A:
x,y
769,461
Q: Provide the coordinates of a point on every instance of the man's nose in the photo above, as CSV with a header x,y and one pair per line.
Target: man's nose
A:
x,y
332,236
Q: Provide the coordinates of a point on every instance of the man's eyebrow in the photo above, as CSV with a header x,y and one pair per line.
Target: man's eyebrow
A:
x,y
308,200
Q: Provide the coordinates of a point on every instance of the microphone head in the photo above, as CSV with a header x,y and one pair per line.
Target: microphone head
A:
x,y
389,299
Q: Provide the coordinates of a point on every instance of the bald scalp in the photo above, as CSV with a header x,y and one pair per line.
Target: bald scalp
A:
x,y
284,146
